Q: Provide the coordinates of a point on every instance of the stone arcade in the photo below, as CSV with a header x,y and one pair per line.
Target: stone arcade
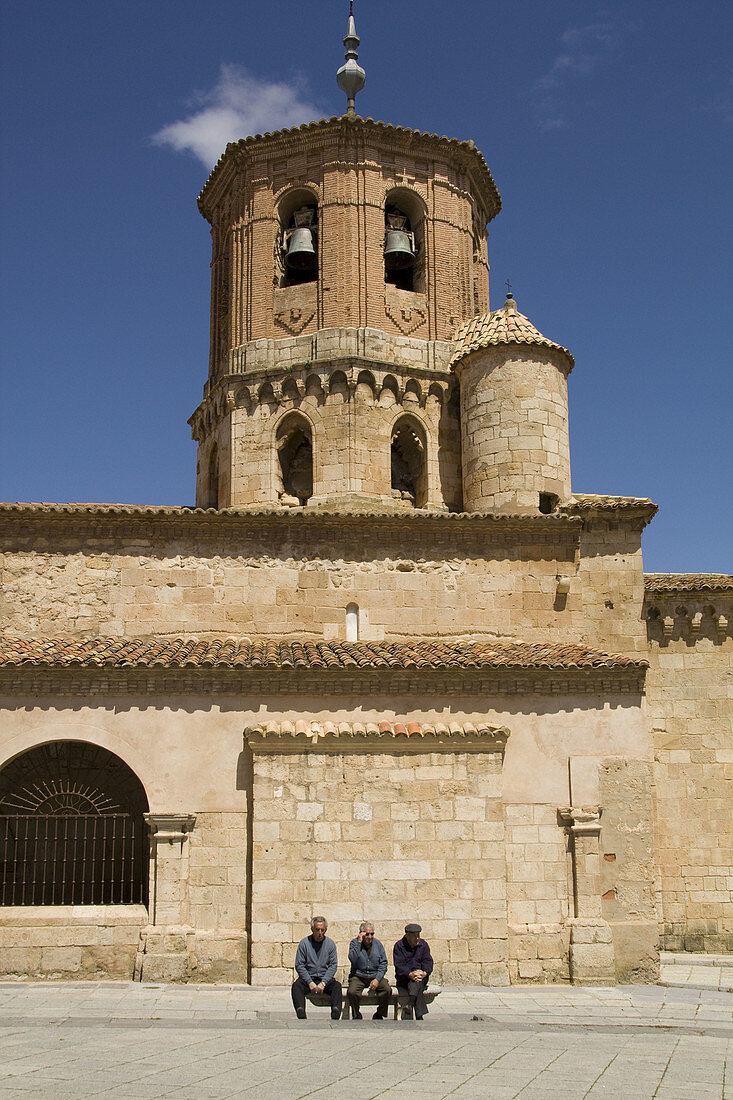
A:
x,y
391,665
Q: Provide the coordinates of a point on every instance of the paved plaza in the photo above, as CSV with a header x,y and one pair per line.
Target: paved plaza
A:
x,y
120,1039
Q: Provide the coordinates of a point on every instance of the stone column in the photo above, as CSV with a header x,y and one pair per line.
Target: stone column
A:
x,y
591,943
163,952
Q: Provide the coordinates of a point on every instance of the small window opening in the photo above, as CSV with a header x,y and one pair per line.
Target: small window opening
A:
x,y
352,623
300,246
295,456
399,249
408,465
548,503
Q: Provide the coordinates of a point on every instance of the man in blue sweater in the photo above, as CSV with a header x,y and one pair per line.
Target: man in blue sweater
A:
x,y
368,968
315,965
413,965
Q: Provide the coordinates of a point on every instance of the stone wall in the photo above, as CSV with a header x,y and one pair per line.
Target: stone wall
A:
x,y
538,896
78,942
385,836
514,427
690,701
252,576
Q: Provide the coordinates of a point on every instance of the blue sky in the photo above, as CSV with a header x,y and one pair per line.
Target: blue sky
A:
x,y
609,131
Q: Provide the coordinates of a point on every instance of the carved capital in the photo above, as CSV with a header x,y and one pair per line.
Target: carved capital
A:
x,y
170,827
581,820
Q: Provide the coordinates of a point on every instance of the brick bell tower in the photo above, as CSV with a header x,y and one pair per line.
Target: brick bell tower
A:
x,y
349,282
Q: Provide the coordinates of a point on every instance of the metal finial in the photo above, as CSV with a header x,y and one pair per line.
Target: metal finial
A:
x,y
508,289
351,77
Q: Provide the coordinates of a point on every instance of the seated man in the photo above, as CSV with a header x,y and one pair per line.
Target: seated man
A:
x,y
315,965
413,965
368,968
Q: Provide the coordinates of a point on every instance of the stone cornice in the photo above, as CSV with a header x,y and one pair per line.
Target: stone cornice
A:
x,y
31,523
338,132
369,684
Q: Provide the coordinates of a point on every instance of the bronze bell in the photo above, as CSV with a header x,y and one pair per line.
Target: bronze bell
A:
x,y
399,251
300,252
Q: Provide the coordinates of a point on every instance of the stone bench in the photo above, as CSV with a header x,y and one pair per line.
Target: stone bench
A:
x,y
397,1000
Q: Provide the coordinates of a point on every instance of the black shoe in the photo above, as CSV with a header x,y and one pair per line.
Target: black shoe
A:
x,y
300,1013
357,1016
406,1013
335,1014
418,1017
379,1016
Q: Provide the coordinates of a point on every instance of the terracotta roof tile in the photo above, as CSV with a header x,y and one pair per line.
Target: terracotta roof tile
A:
x,y
39,509
583,502
317,731
688,582
504,326
266,653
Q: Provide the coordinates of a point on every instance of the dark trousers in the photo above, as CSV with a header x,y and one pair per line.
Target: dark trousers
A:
x,y
357,986
299,991
416,992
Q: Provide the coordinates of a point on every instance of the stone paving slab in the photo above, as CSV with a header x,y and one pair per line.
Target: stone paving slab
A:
x,y
60,1040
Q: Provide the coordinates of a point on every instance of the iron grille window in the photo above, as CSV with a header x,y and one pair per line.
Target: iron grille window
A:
x,y
82,860
72,828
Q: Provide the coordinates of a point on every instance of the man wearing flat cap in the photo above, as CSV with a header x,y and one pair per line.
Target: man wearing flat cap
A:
x,y
413,965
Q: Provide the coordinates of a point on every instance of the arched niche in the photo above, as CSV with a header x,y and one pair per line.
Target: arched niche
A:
x,y
294,447
404,240
408,461
72,828
297,212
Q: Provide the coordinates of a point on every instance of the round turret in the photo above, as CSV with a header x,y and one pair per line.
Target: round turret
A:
x,y
515,443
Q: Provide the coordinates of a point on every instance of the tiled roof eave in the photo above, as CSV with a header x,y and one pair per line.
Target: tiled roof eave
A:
x,y
263,654
462,353
657,583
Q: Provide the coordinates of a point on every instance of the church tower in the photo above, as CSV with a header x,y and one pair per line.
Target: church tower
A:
x,y
354,362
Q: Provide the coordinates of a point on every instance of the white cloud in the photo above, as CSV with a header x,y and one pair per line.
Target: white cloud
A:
x,y
584,49
237,106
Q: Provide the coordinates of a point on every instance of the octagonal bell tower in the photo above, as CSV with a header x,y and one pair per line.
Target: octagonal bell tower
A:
x,y
345,254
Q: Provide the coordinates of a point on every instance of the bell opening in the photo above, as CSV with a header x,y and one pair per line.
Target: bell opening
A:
x,y
399,249
300,246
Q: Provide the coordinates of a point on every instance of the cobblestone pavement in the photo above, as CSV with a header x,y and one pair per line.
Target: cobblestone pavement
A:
x,y
673,1041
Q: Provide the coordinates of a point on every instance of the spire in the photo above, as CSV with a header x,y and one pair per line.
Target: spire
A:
x,y
351,77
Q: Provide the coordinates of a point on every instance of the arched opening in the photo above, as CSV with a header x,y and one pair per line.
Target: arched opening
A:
x,y
294,444
72,828
403,241
298,216
211,499
409,463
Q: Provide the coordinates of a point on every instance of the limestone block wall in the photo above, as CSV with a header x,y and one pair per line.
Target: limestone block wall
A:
x,y
250,577
389,837
690,701
610,584
538,895
350,387
627,868
515,435
74,942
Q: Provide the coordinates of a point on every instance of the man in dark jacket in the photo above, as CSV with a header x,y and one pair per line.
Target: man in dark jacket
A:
x,y
315,965
368,968
413,965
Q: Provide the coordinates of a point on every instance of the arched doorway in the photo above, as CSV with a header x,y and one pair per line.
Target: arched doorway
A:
x,y
72,828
